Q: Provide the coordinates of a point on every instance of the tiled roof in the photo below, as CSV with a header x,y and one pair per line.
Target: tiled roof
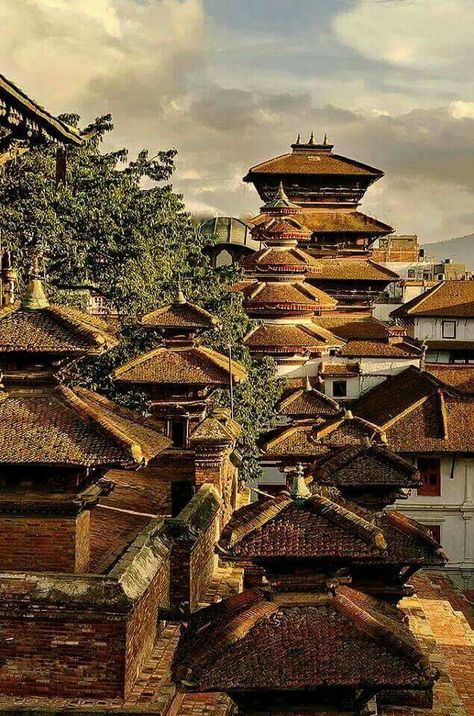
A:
x,y
419,414
409,542
355,327
336,370
383,349
307,403
359,465
280,260
456,376
318,528
313,162
298,440
335,222
297,295
271,228
74,427
53,329
180,364
448,298
291,338
343,431
396,395
180,315
264,642
217,428
349,269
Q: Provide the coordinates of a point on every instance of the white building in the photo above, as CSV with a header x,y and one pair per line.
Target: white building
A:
x,y
442,318
432,424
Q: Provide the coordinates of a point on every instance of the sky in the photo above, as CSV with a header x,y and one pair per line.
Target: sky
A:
x,y
230,83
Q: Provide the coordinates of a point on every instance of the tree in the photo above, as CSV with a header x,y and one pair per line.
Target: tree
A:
x,y
118,226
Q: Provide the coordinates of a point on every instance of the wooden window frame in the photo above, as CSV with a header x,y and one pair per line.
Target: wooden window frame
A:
x,y
431,476
339,382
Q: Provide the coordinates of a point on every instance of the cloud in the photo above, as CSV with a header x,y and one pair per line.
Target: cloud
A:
x,y
409,33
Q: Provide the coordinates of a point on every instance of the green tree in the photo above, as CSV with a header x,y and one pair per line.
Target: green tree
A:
x,y
116,224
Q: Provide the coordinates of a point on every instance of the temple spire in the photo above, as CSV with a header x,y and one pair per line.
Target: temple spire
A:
x,y
298,139
179,296
325,140
312,140
307,385
35,297
299,489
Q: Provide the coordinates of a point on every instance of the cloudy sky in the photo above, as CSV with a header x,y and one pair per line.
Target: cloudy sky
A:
x,y
231,82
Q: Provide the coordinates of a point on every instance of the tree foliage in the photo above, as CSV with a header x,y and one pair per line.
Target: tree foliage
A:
x,y
116,224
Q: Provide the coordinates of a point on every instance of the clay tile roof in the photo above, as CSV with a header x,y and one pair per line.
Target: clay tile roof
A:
x,y
189,364
359,465
448,298
396,395
305,641
296,296
74,427
346,370
319,528
53,329
355,327
290,338
383,349
280,260
179,315
307,403
408,542
343,222
348,269
215,430
313,162
460,377
298,440
343,431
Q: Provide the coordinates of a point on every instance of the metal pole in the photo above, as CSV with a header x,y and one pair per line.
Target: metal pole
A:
x,y
231,383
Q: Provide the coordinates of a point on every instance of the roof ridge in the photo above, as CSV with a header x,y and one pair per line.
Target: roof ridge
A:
x,y
133,362
412,528
345,518
88,411
377,629
96,333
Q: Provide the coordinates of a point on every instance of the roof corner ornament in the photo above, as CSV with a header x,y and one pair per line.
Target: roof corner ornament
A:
x,y
312,140
348,414
325,140
307,385
299,490
298,139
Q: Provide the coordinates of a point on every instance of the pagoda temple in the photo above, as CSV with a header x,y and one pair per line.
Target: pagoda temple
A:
x,y
276,292
304,639
180,379
325,190
56,442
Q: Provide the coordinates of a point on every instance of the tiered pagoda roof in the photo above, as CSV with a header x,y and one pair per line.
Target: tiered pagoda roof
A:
x,y
259,642
283,298
181,314
344,222
287,338
288,260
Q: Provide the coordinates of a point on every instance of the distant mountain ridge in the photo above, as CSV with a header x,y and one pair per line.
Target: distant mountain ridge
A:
x,y
460,249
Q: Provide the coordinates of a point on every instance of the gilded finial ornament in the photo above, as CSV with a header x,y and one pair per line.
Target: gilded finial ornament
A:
x,y
179,296
312,140
299,489
35,297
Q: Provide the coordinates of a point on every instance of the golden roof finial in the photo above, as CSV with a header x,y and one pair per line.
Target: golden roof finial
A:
x,y
179,296
298,139
35,297
312,140
325,140
307,385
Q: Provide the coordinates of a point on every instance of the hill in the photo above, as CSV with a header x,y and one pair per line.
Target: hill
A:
x,y
459,249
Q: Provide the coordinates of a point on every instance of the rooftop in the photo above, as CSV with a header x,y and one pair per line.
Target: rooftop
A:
x,y
289,338
447,298
180,314
349,269
179,365
53,329
332,222
284,296
262,641
307,402
66,426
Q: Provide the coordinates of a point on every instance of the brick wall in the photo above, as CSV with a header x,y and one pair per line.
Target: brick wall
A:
x,y
194,534
83,636
45,543
215,466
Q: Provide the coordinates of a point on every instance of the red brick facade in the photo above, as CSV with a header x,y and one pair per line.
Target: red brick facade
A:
x,y
193,558
45,543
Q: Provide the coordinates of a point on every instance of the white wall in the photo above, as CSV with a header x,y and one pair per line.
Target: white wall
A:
x,y
431,328
453,510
